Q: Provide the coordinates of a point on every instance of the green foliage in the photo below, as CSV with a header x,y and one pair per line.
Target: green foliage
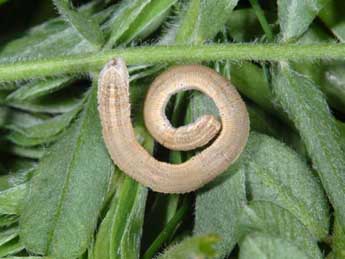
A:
x,y
84,25
61,196
317,128
195,247
295,16
67,190
262,246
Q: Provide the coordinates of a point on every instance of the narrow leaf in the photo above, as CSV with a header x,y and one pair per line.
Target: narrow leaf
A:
x,y
307,108
10,248
214,15
85,25
126,14
8,234
149,20
59,102
120,232
44,132
203,19
39,88
295,16
66,194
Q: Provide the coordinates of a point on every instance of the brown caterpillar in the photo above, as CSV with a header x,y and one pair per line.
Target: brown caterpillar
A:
x,y
134,160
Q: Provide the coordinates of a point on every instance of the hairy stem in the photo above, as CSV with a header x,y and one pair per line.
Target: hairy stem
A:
x,y
197,53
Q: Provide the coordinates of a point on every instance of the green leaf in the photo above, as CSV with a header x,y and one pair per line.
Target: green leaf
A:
x,y
11,199
328,75
52,38
44,132
338,241
203,19
10,248
59,102
27,257
307,108
333,17
243,25
120,231
275,221
8,234
149,20
250,81
295,16
31,152
122,19
38,88
214,15
85,25
8,220
263,246
13,119
66,193
225,196
201,247
277,174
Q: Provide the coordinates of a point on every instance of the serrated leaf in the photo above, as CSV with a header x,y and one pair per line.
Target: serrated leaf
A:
x,y
275,221
149,20
11,199
38,88
263,246
123,18
307,108
285,180
226,196
66,194
85,25
201,247
295,16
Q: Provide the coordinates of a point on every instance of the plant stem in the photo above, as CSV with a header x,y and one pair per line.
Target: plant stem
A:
x,y
158,54
169,228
